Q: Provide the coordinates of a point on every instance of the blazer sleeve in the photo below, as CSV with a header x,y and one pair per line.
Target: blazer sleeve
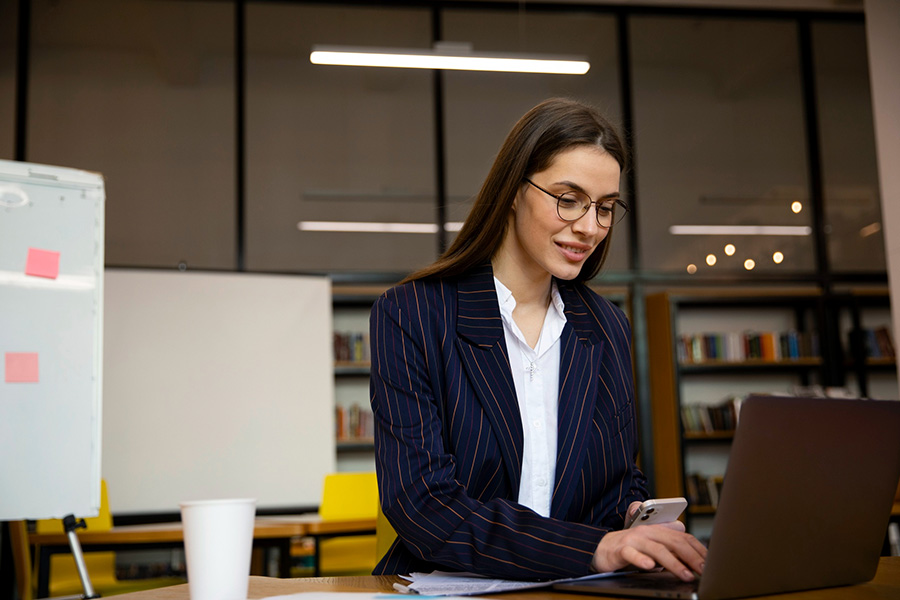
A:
x,y
619,361
431,511
634,483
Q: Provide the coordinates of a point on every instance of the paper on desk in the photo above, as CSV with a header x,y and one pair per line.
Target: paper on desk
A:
x,y
439,583
343,596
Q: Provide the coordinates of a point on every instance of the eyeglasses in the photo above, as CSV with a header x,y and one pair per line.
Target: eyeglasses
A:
x,y
571,206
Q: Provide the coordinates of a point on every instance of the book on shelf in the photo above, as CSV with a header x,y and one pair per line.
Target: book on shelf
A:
x,y
879,343
351,347
711,418
354,423
703,491
747,345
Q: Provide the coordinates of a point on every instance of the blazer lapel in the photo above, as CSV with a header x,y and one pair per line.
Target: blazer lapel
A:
x,y
581,351
482,346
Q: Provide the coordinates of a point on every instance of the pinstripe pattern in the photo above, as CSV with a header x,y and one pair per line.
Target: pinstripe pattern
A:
x,y
448,435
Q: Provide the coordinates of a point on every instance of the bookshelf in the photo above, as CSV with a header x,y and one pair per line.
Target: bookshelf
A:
x,y
353,417
351,305
870,352
707,350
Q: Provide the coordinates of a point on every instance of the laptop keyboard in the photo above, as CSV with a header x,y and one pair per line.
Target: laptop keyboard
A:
x,y
665,583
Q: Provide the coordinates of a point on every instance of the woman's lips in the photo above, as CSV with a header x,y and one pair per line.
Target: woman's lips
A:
x,y
574,252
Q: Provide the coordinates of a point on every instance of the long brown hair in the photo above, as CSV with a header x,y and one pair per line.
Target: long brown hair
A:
x,y
543,132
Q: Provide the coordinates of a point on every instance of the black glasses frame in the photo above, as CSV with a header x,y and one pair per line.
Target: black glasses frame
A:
x,y
597,203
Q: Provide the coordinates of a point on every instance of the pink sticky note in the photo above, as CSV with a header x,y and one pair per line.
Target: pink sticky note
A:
x,y
42,263
21,367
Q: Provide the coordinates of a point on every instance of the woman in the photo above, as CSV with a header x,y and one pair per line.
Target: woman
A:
x,y
502,386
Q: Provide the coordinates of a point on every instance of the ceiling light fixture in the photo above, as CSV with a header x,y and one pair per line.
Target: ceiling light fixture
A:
x,y
740,230
370,227
871,229
445,55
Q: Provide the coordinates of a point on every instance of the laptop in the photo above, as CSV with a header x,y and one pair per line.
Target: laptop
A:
x,y
806,503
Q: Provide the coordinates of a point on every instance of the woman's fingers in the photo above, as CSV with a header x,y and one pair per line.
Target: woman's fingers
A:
x,y
633,556
698,547
669,557
648,546
690,552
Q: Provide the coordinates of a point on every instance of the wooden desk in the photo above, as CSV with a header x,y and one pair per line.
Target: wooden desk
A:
x,y
318,528
313,524
269,532
885,586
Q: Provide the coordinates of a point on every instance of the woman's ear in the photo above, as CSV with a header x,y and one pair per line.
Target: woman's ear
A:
x,y
515,202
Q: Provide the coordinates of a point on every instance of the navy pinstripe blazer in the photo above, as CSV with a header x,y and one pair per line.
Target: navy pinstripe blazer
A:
x,y
449,438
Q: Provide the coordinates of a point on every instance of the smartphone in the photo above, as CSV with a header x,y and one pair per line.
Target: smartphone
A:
x,y
658,510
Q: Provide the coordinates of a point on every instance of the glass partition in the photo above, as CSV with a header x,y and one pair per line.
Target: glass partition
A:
x,y
481,107
142,92
722,175
340,161
847,139
8,18
332,148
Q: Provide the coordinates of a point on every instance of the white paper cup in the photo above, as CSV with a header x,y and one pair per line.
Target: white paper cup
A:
x,y
218,542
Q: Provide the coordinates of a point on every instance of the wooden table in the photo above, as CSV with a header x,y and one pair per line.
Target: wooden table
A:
x,y
885,586
269,532
319,528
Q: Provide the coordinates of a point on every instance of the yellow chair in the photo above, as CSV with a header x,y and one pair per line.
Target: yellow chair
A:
x,y
384,535
21,553
101,566
348,496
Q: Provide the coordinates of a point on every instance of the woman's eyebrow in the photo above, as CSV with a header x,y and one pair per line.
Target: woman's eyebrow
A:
x,y
578,188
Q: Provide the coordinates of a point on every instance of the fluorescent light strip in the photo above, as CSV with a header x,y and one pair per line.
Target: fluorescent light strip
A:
x,y
369,227
739,230
365,227
414,59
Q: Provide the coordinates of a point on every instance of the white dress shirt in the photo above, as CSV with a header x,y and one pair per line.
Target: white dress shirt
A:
x,y
535,372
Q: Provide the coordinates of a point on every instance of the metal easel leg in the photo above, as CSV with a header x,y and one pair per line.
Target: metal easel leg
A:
x,y
70,524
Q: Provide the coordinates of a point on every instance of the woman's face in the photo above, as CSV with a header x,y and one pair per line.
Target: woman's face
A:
x,y
538,241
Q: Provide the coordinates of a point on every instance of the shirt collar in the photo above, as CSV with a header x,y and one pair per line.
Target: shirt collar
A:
x,y
557,301
508,302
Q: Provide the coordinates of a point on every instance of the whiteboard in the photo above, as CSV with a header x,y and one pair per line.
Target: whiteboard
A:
x,y
216,385
51,331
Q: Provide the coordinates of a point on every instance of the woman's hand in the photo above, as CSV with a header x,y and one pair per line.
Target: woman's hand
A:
x,y
646,547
